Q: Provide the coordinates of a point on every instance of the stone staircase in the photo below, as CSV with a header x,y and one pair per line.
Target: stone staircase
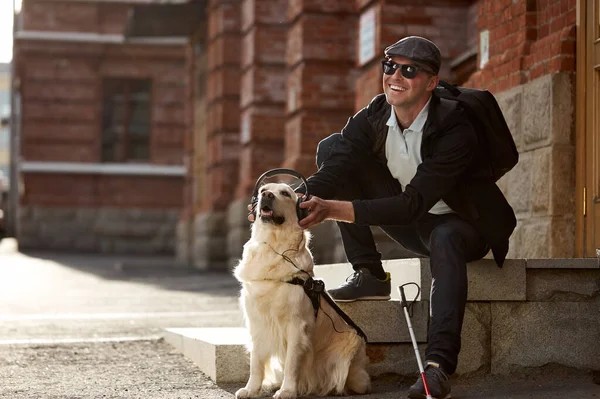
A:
x,y
529,314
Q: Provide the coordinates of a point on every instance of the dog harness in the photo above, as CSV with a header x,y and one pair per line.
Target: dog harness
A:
x,y
315,289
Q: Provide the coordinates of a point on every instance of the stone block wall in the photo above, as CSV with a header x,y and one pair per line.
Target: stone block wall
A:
x,y
98,230
221,135
531,72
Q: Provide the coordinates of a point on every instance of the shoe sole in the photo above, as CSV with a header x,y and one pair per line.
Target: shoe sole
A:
x,y
365,298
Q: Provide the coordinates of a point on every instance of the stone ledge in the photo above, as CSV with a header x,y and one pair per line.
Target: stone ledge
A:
x,y
533,334
384,321
575,263
401,270
488,282
220,353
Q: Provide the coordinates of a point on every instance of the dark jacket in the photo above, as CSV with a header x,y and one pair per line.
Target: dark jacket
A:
x,y
451,158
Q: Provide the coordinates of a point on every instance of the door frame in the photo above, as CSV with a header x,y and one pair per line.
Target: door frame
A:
x,y
581,119
580,129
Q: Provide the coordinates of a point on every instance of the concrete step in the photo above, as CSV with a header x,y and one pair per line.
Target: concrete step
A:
x,y
384,321
487,282
402,271
220,353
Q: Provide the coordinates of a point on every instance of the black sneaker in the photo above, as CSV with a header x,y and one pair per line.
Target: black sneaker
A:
x,y
362,285
437,381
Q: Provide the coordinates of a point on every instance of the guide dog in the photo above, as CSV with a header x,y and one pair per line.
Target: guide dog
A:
x,y
296,347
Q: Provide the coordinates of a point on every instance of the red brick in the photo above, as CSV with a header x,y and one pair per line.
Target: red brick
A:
x,y
167,114
368,85
263,85
298,7
264,44
321,37
102,190
222,148
255,160
325,86
168,136
59,132
223,116
304,130
223,82
263,125
264,12
57,16
112,18
224,50
221,183
224,18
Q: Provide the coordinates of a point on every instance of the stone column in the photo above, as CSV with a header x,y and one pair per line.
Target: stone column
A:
x,y
320,86
320,93
262,104
183,244
222,132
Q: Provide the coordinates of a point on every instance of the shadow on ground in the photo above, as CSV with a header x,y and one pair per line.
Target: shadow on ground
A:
x,y
161,271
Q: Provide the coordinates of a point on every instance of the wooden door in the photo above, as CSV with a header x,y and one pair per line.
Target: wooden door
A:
x,y
588,126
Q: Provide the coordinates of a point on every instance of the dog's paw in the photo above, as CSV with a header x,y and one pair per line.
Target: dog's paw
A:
x,y
285,394
246,393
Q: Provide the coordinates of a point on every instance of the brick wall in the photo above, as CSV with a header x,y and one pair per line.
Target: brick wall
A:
x,y
62,104
262,99
223,103
62,94
320,82
528,39
62,86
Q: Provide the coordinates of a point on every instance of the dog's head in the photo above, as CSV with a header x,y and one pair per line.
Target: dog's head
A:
x,y
276,205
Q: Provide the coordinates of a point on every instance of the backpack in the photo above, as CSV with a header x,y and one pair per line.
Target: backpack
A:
x,y
499,149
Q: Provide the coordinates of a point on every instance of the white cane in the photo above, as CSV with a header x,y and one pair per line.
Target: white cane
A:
x,y
413,339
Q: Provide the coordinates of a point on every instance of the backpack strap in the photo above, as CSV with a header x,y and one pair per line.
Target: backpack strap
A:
x,y
451,88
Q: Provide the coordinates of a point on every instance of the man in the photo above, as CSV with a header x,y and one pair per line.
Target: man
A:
x,y
404,163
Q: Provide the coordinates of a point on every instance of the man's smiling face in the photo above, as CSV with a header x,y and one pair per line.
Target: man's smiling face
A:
x,y
402,92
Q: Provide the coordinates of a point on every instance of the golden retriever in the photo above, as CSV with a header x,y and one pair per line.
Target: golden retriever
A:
x,y
290,349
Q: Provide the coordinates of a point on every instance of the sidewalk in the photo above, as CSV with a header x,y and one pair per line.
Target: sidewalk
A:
x,y
81,326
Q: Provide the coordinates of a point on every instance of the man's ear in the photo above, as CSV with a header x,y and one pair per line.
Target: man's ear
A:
x,y
433,83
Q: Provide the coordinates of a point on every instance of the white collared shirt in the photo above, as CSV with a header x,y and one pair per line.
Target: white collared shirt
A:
x,y
403,152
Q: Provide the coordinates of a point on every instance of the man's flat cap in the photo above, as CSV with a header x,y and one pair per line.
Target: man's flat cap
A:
x,y
418,49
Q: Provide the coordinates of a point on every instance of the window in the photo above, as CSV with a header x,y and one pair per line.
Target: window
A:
x,y
126,120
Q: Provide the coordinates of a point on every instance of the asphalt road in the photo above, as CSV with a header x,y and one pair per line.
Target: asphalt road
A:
x,y
75,326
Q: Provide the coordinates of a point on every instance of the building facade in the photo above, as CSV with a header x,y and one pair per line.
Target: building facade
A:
x,y
277,76
101,129
263,81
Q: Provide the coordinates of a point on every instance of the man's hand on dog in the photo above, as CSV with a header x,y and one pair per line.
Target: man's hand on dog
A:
x,y
320,210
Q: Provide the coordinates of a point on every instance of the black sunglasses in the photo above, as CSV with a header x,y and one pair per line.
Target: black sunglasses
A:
x,y
409,71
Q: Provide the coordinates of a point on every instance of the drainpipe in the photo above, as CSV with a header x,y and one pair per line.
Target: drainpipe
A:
x,y
15,134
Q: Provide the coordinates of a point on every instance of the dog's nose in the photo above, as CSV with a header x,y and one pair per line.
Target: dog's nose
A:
x,y
268,194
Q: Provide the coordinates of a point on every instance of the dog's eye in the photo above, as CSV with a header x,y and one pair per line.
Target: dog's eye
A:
x,y
285,193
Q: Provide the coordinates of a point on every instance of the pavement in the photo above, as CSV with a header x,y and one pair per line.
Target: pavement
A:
x,y
90,326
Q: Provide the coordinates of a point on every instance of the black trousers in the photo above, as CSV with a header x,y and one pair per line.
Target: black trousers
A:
x,y
448,241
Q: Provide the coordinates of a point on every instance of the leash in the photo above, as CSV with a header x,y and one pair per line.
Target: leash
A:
x,y
315,290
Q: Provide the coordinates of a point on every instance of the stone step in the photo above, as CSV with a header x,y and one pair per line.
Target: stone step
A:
x,y
220,353
402,271
384,321
487,282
